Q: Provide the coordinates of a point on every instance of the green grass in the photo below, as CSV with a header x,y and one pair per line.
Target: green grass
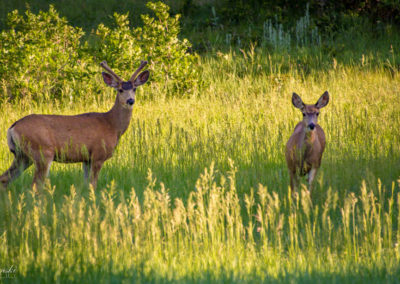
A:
x,y
197,190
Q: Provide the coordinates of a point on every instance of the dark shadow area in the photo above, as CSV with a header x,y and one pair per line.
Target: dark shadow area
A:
x,y
85,14
347,30
356,273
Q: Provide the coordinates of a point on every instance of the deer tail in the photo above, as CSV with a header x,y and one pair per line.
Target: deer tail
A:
x,y
11,139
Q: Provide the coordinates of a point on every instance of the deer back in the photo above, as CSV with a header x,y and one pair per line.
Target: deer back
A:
x,y
69,138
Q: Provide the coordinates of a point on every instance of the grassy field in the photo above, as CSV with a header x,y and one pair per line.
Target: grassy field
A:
x,y
197,190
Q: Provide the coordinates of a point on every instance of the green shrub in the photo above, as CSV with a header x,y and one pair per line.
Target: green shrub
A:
x,y
39,54
173,68
44,58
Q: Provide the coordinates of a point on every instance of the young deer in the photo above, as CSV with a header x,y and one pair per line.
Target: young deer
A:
x,y
306,145
89,138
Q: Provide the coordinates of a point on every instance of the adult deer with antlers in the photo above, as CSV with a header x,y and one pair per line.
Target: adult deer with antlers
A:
x,y
306,145
89,138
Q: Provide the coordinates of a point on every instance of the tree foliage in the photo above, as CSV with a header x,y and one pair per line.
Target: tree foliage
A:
x,y
157,41
324,12
38,54
42,56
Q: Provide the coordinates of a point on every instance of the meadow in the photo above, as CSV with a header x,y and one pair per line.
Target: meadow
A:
x,y
198,189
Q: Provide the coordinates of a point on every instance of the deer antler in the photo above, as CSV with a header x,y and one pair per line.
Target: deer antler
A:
x,y
108,69
142,64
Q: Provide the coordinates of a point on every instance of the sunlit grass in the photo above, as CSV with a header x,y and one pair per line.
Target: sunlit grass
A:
x,y
108,236
232,222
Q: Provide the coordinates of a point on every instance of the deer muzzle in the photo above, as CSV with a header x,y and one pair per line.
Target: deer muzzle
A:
x,y
130,101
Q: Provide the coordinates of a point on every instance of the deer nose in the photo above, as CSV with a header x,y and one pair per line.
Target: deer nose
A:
x,y
311,126
130,101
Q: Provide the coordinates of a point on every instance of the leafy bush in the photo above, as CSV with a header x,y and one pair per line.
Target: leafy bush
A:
x,y
165,50
39,54
42,57
157,41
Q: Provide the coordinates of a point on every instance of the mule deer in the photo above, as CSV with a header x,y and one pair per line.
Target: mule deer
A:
x,y
306,145
89,138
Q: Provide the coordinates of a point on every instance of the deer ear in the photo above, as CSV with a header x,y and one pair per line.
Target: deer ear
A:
x,y
142,78
296,101
109,80
323,100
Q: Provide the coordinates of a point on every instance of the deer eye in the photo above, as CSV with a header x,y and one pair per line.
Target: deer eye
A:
x,y
304,114
120,90
317,113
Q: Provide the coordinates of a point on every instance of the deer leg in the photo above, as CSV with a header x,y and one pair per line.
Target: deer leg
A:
x,y
311,176
94,172
20,164
42,170
86,170
293,181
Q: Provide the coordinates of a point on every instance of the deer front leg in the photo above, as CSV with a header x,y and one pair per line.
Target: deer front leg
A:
x,y
41,171
293,181
94,172
20,164
311,176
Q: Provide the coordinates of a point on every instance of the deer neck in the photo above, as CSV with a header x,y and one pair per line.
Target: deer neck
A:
x,y
307,137
119,117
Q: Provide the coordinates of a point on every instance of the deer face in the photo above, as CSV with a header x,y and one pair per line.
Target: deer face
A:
x,y
310,112
310,116
126,94
126,90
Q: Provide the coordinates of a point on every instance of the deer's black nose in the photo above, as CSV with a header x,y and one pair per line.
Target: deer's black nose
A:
x,y
130,101
311,126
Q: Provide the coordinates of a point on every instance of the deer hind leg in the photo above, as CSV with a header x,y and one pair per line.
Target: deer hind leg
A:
x,y
86,170
95,168
21,163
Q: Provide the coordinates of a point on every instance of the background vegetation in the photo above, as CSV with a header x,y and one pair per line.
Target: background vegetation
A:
x,y
197,190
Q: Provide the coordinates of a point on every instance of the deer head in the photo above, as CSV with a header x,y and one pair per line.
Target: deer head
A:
x,y
126,89
310,112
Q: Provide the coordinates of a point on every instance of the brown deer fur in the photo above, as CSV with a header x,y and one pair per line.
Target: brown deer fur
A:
x,y
306,145
89,138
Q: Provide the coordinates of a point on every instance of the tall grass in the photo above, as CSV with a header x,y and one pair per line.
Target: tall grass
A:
x,y
215,205
105,238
